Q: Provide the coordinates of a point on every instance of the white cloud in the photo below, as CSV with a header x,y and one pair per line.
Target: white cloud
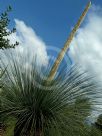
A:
x,y
30,43
86,48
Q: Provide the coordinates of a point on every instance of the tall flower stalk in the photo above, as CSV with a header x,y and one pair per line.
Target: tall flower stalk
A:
x,y
66,46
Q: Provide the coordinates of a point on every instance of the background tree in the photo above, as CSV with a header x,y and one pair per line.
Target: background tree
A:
x,y
4,31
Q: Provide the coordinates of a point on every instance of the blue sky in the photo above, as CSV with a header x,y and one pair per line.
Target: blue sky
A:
x,y
51,19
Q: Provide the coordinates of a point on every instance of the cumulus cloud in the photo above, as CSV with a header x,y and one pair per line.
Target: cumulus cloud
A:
x,y
86,48
29,43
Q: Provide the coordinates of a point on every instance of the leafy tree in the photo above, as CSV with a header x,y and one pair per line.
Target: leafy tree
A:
x,y
4,32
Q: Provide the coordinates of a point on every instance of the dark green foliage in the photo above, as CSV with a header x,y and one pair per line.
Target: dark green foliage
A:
x,y
4,32
92,131
98,123
95,129
57,109
9,128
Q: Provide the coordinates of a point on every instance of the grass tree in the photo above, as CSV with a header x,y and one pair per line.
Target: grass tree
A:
x,y
41,109
98,123
57,108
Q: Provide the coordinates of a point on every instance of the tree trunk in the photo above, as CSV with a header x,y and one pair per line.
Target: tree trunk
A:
x,y
2,129
38,132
